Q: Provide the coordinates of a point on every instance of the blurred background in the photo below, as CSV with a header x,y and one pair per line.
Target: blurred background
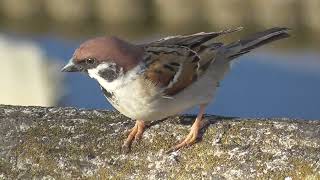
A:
x,y
280,80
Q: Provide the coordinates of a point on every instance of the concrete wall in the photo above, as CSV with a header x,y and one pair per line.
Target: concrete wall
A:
x,y
67,143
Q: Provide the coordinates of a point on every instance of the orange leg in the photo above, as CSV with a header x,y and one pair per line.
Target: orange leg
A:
x,y
135,134
194,132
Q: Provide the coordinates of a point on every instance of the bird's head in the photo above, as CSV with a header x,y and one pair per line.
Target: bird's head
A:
x,y
106,57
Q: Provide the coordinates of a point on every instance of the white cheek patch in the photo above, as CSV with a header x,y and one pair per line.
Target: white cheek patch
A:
x,y
92,73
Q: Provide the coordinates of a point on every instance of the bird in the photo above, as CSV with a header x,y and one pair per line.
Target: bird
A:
x,y
154,80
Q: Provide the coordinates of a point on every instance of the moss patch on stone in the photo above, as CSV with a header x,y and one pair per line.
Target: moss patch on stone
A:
x,y
76,143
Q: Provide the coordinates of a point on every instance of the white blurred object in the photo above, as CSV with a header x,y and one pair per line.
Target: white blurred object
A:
x,y
26,76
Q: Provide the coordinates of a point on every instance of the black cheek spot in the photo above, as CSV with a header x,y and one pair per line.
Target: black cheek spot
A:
x,y
109,74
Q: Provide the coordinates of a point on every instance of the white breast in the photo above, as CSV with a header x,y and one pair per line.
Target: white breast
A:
x,y
133,95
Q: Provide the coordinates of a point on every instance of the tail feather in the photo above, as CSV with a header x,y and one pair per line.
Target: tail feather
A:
x,y
245,45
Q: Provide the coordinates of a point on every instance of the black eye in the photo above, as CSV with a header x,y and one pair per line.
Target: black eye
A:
x,y
90,61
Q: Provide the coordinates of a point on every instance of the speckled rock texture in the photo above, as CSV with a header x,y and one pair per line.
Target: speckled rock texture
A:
x,y
68,143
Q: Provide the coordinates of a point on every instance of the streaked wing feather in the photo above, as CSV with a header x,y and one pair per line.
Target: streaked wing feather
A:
x,y
173,63
171,68
192,41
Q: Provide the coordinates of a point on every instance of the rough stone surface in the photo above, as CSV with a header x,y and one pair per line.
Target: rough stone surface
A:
x,y
66,143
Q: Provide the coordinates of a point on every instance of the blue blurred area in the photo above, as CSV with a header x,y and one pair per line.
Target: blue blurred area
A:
x,y
259,85
255,89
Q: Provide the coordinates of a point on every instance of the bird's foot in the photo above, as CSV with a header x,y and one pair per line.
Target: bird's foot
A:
x,y
135,134
190,139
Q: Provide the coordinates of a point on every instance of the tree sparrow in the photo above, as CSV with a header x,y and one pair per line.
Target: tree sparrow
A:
x,y
162,78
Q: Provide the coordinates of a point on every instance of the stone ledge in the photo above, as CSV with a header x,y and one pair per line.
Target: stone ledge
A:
x,y
65,143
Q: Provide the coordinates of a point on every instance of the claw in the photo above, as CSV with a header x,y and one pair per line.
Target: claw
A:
x,y
193,134
135,134
191,137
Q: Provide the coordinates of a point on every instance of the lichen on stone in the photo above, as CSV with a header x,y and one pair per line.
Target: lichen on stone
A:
x,y
66,143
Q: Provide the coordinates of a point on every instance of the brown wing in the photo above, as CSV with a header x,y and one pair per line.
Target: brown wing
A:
x,y
173,63
171,67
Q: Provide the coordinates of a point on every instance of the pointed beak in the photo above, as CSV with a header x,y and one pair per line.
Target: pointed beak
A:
x,y
70,67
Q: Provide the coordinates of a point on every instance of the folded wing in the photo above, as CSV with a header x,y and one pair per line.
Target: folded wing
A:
x,y
173,63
